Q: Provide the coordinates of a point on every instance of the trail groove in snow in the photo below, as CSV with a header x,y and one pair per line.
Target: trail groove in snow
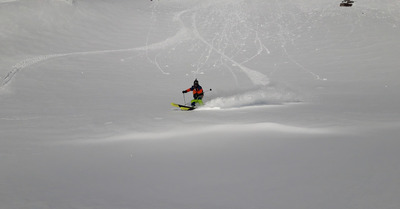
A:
x,y
223,37
256,77
179,36
184,33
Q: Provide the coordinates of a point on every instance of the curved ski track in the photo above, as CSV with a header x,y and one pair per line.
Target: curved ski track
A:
x,y
183,34
179,36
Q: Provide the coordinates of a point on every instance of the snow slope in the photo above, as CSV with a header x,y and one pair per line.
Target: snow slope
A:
x,y
303,111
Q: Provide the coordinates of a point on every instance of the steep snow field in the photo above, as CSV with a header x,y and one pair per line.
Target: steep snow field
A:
x,y
303,112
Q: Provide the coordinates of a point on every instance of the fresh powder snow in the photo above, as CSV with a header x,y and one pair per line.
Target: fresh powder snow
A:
x,y
303,112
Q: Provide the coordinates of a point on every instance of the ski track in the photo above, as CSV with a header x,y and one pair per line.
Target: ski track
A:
x,y
284,39
256,77
225,60
186,32
179,36
183,34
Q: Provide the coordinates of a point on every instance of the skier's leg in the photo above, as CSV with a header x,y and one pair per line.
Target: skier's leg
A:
x,y
198,101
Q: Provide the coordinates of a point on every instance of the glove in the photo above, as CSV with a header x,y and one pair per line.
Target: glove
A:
x,y
184,91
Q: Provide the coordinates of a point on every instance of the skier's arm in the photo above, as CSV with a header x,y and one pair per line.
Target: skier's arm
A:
x,y
187,90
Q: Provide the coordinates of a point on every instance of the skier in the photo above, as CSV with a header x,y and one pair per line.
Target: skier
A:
x,y
197,93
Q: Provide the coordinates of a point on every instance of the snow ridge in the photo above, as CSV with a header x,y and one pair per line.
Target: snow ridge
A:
x,y
264,127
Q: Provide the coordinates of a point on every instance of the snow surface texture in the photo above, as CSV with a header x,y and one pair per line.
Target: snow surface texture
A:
x,y
303,112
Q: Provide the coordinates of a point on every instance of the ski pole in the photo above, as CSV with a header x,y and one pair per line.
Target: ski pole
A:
x,y
184,99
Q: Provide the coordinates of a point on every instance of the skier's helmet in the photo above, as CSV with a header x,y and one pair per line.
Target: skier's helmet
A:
x,y
196,82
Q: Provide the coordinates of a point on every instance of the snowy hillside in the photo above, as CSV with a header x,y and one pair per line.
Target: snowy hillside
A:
x,y
303,112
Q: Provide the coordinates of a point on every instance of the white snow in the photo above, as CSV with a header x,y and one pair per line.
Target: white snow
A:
x,y
303,112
